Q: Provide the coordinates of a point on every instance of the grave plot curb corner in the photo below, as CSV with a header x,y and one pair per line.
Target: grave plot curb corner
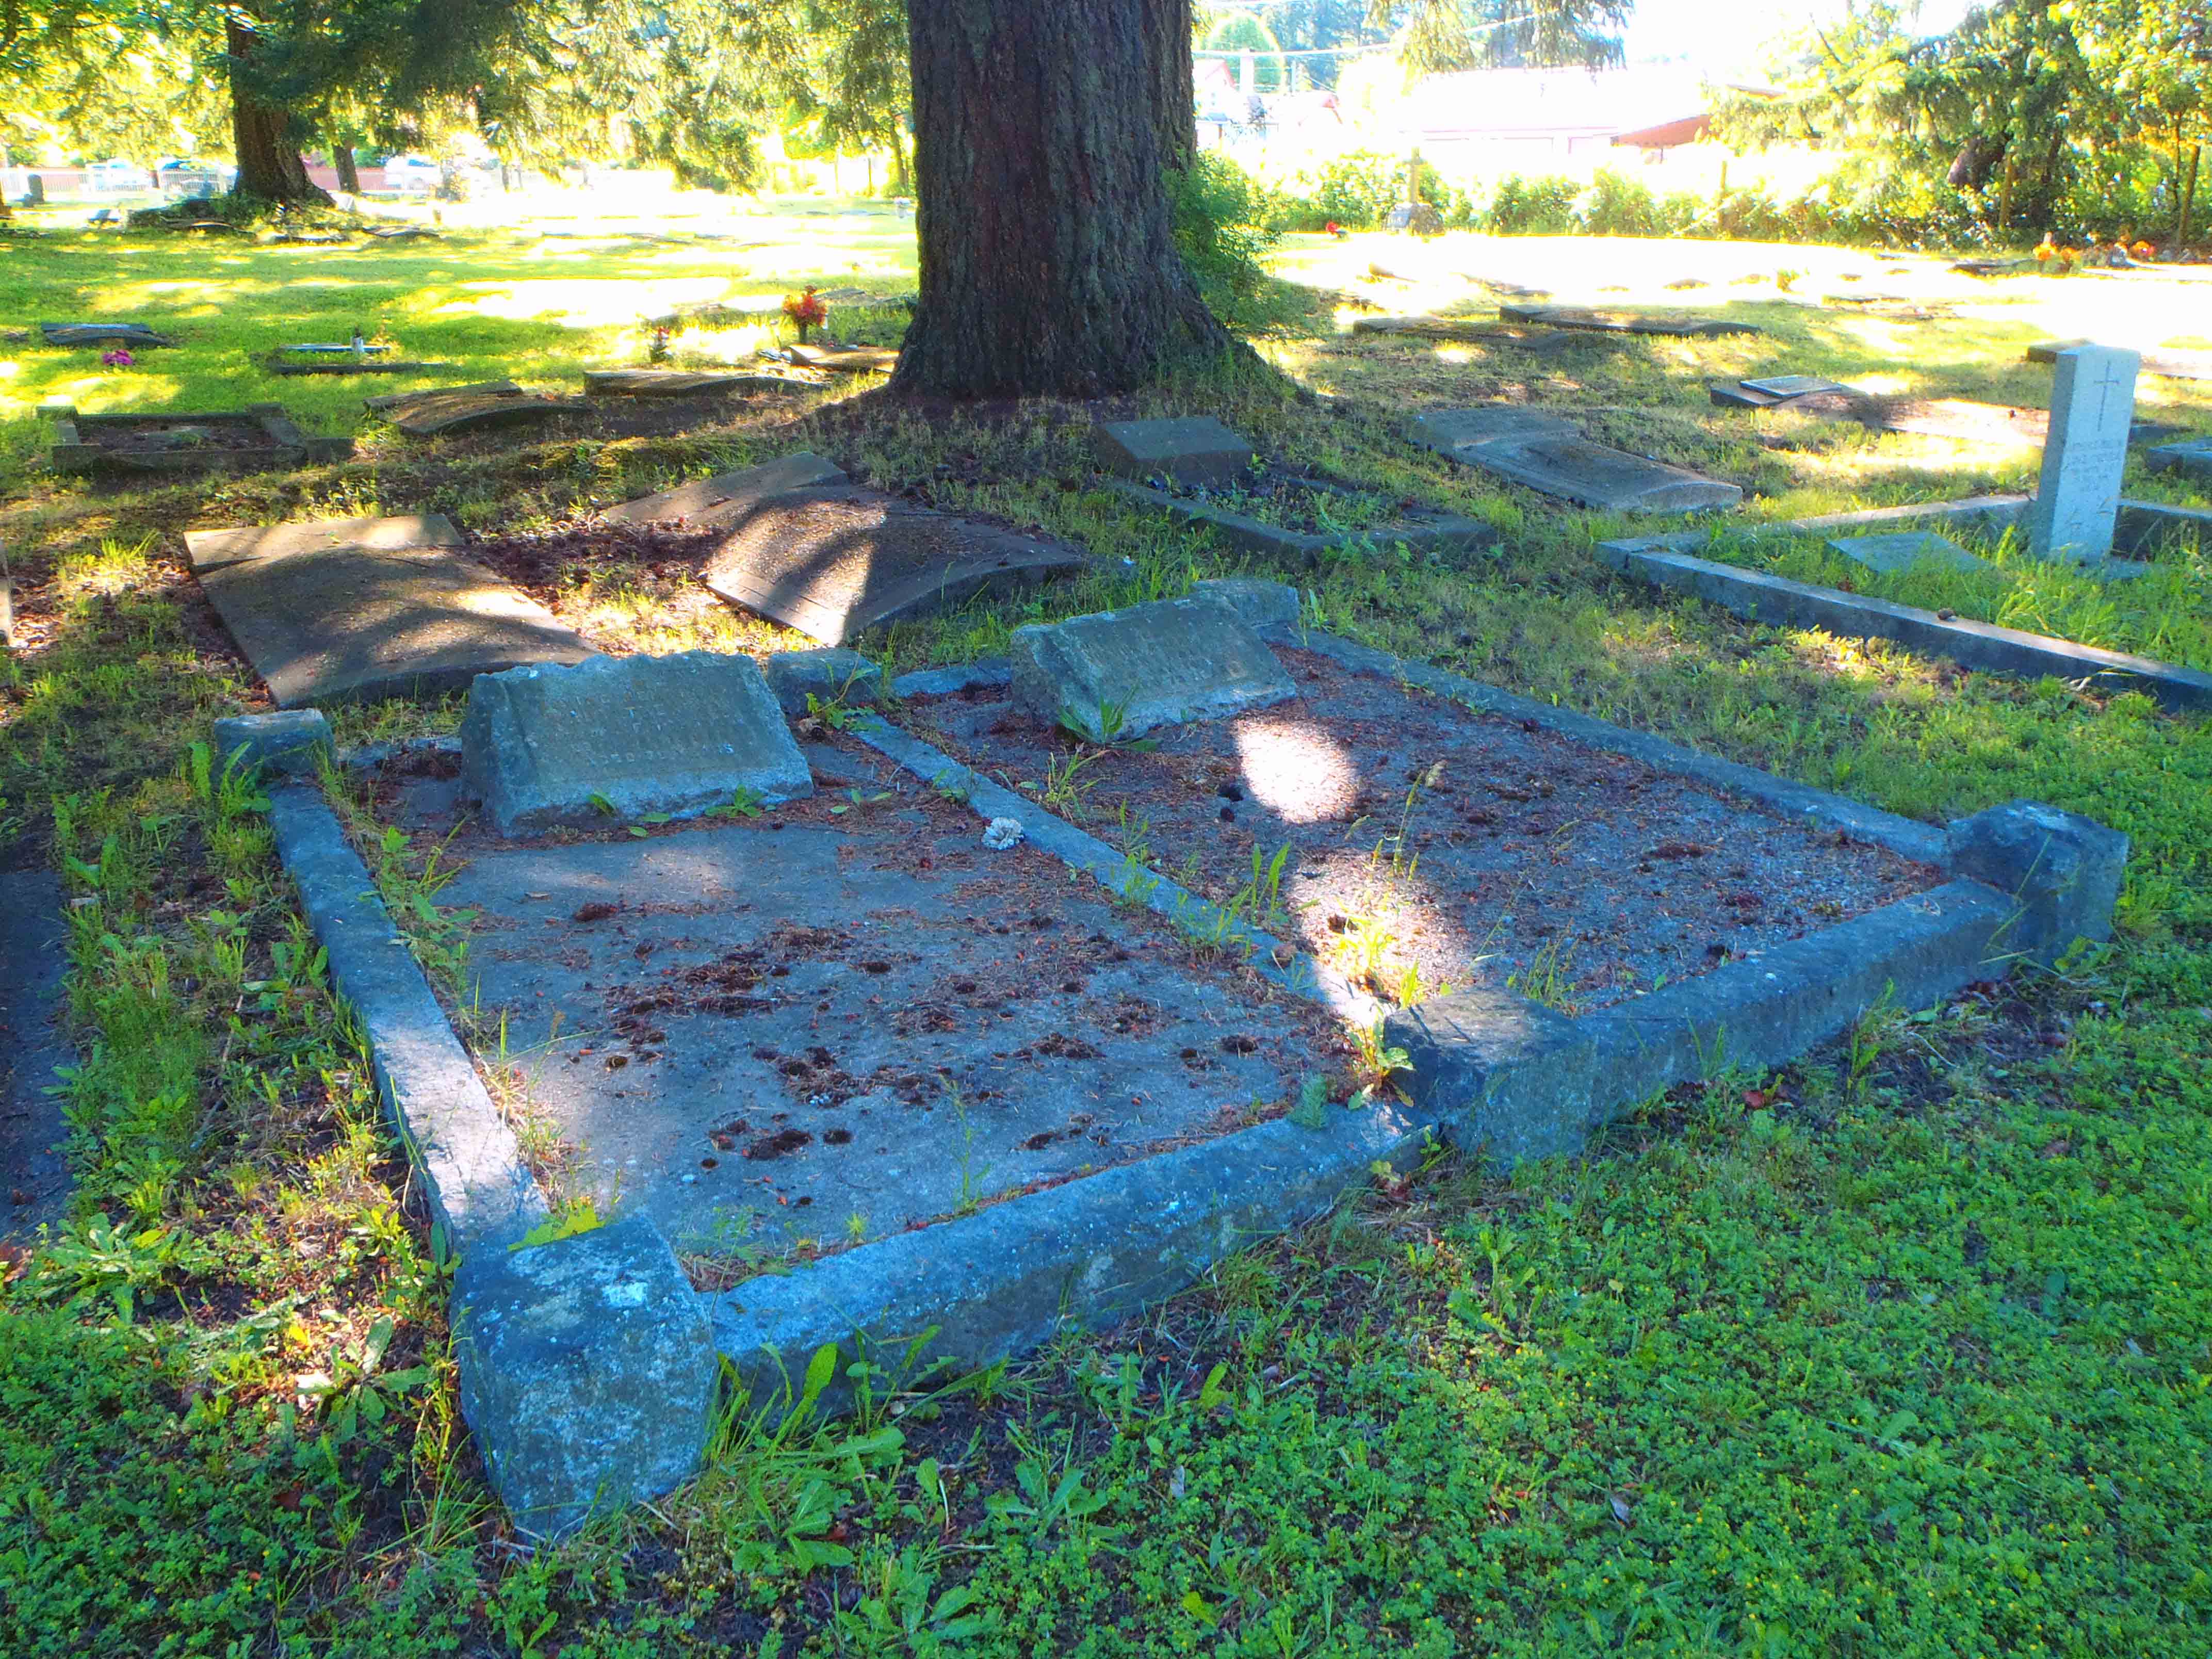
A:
x,y
587,1371
1442,532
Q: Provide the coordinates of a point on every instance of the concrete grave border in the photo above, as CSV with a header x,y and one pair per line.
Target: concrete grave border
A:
x,y
587,1365
1665,562
1431,532
283,443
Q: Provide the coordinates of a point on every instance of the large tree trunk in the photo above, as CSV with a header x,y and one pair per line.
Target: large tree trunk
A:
x,y
341,159
1047,261
1167,33
269,164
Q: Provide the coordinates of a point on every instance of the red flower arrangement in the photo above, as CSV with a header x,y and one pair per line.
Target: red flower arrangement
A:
x,y
807,310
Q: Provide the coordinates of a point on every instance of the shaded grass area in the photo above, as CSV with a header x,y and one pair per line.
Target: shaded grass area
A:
x,y
1907,1349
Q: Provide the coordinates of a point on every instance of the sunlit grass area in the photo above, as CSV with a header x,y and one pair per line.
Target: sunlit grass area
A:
x,y
1903,1349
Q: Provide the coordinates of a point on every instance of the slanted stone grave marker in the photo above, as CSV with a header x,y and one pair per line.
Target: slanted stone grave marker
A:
x,y
1545,453
2077,493
803,546
368,608
437,409
614,739
846,360
1118,674
1777,392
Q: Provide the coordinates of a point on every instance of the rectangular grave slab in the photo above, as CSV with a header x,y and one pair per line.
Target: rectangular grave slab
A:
x,y
1623,322
1777,392
2077,492
438,409
833,560
618,739
952,1062
1900,549
2192,457
1449,431
680,383
358,608
1119,674
1190,449
258,436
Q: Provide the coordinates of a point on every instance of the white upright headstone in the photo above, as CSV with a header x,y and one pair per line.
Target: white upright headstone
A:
x,y
2077,496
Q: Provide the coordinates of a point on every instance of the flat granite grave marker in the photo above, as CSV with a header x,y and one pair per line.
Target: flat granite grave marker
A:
x,y
368,608
803,546
1545,453
1118,674
108,334
1775,391
1623,322
2078,494
846,360
1191,449
1900,549
625,737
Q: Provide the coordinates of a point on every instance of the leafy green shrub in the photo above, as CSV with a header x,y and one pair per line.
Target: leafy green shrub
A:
x,y
1616,205
1542,206
1221,228
1356,190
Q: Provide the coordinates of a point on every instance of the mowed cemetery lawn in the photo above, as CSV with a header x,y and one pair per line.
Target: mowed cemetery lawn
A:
x,y
1906,1350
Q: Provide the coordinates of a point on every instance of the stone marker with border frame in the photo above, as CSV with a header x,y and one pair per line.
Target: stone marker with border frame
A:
x,y
1544,450
2191,457
1162,662
283,443
358,608
2078,494
625,737
1900,549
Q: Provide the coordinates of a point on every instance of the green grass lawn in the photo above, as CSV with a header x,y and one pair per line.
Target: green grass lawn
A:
x,y
1905,1350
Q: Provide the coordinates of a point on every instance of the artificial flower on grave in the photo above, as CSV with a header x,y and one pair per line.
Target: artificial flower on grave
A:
x,y
807,310
118,358
2143,252
2045,251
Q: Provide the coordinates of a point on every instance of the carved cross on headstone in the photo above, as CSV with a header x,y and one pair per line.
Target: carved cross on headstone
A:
x,y
2077,495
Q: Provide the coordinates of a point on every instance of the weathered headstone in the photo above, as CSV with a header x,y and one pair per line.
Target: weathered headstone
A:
x,y
615,738
1900,549
2192,457
33,948
1193,449
368,608
1119,674
832,674
2077,495
108,334
1544,452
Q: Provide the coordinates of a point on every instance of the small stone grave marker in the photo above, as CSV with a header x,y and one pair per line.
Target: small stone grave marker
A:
x,y
1545,453
681,382
805,546
1900,549
846,360
1775,391
103,334
456,408
545,745
368,608
2077,493
1119,674
1191,449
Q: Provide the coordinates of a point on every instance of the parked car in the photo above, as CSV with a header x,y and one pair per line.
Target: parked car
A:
x,y
185,180
412,175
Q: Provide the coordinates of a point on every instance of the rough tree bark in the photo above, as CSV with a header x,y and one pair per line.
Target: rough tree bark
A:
x,y
1047,260
269,164
341,159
